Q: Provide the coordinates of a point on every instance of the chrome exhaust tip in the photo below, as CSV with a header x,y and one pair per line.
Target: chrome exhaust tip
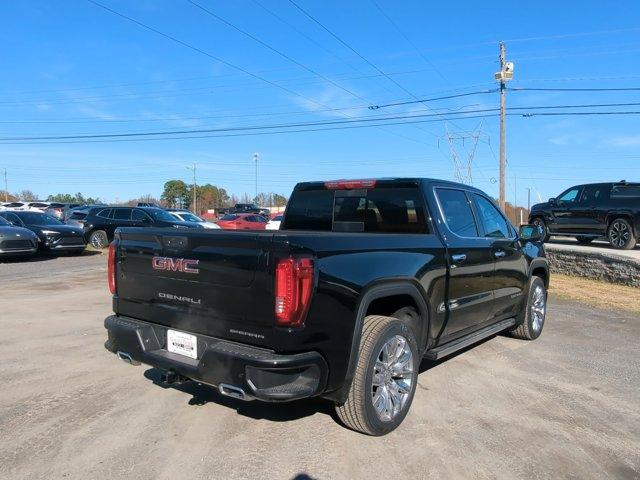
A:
x,y
125,357
234,392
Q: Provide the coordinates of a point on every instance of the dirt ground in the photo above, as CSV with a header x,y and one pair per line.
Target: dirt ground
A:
x,y
596,293
564,406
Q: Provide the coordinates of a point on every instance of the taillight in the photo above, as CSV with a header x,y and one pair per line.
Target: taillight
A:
x,y
349,184
111,268
293,287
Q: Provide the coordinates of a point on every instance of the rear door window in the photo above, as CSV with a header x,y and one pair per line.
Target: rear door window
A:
x,y
122,214
625,191
457,212
593,194
104,213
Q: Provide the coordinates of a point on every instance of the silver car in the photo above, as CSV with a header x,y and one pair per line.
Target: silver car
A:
x,y
16,240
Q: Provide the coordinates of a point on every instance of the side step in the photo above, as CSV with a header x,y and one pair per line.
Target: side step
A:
x,y
474,337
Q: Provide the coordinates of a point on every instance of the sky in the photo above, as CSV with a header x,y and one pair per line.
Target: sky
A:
x,y
75,68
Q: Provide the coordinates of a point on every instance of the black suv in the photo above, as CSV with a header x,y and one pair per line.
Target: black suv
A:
x,y
101,222
591,211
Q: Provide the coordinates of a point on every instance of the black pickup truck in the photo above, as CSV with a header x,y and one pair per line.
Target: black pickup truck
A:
x,y
365,278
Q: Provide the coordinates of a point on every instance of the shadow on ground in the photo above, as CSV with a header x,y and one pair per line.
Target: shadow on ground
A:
x,y
203,394
44,256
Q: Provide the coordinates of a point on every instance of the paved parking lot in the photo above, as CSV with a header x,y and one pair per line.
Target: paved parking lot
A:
x,y
567,405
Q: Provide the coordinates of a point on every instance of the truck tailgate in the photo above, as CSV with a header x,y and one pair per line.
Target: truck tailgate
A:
x,y
212,282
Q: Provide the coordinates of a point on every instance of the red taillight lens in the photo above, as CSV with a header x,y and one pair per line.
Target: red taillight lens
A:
x,y
294,284
349,184
111,268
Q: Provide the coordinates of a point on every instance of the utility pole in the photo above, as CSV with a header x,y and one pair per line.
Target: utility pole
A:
x,y
528,199
503,76
255,159
6,188
195,200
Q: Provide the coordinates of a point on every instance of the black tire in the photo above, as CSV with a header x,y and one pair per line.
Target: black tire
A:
x,y
620,234
358,412
539,221
98,239
585,240
527,328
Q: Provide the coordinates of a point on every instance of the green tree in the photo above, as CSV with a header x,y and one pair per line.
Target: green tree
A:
x,y
176,194
279,200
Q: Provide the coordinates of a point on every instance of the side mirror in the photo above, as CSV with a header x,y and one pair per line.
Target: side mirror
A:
x,y
530,233
552,201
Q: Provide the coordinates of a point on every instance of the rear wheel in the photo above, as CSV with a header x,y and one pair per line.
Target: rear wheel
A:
x,y
533,317
98,239
584,240
385,378
620,234
540,223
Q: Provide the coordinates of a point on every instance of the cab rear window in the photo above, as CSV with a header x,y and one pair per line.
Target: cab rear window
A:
x,y
375,210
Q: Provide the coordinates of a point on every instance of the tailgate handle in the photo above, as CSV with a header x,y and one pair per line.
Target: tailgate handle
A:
x,y
175,242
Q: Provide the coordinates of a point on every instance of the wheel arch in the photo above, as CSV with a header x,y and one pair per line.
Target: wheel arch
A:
x,y
372,293
539,267
628,216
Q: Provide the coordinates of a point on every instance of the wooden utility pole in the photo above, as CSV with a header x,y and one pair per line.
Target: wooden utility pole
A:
x,y
503,76
6,188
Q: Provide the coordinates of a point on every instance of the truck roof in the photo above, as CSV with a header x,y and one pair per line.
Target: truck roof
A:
x,y
378,182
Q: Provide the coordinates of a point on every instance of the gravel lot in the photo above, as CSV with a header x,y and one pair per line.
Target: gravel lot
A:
x,y
566,405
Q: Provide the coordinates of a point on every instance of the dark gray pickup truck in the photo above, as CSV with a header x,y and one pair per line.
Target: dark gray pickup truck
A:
x,y
365,279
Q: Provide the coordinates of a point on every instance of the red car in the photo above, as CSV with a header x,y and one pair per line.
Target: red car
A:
x,y
242,221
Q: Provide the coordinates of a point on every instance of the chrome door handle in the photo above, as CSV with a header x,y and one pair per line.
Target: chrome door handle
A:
x,y
458,257
499,254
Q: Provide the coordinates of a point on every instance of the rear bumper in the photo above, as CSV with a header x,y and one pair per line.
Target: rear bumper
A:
x,y
260,373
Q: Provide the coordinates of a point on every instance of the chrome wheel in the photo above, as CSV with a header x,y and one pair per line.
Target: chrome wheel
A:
x,y
619,234
538,307
99,240
393,378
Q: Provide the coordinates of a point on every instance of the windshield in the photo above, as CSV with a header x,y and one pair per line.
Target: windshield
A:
x,y
33,218
161,215
190,217
4,222
229,216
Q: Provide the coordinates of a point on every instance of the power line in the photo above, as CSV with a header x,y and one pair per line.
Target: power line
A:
x,y
408,40
376,107
598,89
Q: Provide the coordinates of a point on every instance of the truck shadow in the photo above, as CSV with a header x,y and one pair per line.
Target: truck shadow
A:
x,y
202,394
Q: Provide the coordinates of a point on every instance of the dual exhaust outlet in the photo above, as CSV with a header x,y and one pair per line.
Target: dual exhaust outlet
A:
x,y
169,377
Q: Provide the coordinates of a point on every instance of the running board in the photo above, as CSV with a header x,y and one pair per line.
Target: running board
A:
x,y
474,337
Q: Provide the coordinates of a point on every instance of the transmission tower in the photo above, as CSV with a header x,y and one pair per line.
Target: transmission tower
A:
x,y
462,163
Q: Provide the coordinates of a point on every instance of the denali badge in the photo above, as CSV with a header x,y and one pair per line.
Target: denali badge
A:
x,y
177,298
185,265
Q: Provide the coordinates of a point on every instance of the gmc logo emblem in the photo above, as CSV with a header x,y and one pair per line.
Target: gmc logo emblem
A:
x,y
185,265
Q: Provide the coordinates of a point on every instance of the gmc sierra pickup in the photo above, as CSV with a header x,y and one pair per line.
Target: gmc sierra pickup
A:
x,y
365,278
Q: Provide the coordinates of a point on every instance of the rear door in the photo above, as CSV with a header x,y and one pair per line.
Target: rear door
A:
x,y
471,278
589,212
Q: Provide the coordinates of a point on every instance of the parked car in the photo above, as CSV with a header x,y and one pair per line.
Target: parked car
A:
x,y
187,216
16,240
274,223
242,221
76,216
58,210
245,208
14,206
53,235
36,206
146,204
101,222
586,212
364,280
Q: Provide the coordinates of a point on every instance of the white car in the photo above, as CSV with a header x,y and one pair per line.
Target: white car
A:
x,y
37,206
274,223
14,206
187,216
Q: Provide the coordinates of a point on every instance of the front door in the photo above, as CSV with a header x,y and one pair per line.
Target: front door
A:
x,y
564,211
588,214
470,288
510,274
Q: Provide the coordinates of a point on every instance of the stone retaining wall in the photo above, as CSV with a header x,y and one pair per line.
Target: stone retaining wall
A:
x,y
609,268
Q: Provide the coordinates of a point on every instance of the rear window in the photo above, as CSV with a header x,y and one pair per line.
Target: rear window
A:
x,y
376,210
623,191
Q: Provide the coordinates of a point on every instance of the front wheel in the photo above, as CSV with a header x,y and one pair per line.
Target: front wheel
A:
x,y
98,239
532,318
385,378
620,235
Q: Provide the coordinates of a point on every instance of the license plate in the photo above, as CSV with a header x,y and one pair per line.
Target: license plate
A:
x,y
182,343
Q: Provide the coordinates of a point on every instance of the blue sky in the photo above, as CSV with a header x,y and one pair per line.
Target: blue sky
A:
x,y
72,68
